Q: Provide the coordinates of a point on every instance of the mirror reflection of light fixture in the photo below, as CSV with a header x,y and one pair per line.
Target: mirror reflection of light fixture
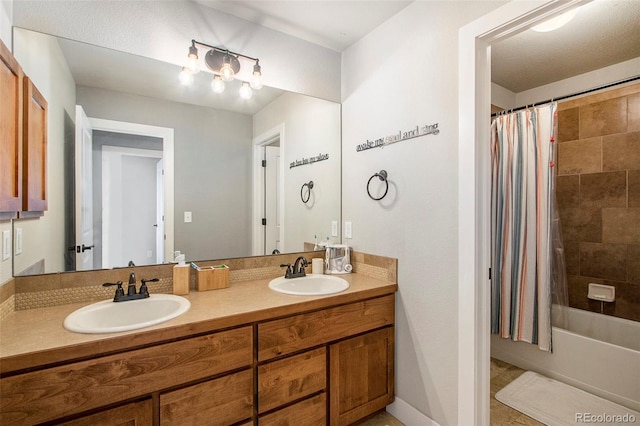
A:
x,y
225,65
217,85
245,91
555,23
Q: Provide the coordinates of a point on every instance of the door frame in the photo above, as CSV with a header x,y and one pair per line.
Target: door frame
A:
x,y
167,136
259,142
474,100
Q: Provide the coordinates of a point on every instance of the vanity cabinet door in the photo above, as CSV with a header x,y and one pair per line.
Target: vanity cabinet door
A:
x,y
133,414
34,153
361,376
11,77
219,402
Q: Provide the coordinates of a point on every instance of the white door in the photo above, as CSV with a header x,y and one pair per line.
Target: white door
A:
x,y
272,199
159,214
84,192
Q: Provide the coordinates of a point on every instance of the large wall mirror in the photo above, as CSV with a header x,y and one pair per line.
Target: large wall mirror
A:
x,y
168,167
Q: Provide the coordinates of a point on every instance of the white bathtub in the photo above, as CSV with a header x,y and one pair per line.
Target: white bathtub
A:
x,y
607,364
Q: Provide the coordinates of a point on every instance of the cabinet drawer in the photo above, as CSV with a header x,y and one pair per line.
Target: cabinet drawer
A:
x,y
221,401
287,335
286,380
133,414
310,412
73,388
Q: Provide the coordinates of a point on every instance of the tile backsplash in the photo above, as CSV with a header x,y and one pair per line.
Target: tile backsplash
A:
x,y
598,191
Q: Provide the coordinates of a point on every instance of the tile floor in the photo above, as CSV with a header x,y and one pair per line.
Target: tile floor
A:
x,y
501,375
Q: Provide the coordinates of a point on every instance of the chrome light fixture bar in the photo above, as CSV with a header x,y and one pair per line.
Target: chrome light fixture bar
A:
x,y
224,64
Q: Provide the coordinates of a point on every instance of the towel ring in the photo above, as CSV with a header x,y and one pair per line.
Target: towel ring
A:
x,y
309,188
382,175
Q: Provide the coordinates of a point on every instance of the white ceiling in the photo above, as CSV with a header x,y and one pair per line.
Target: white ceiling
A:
x,y
604,32
335,24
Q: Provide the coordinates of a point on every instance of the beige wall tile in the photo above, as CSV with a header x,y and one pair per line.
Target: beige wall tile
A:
x,y
581,156
603,189
603,118
633,111
608,261
568,125
581,224
621,152
620,225
633,189
568,191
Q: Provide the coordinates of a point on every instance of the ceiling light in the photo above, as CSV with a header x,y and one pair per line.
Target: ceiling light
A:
x,y
225,66
245,91
186,77
555,23
217,85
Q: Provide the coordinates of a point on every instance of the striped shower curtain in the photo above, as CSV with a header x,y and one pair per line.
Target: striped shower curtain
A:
x,y
522,184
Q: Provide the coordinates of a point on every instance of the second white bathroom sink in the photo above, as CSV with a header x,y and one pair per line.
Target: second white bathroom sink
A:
x,y
311,285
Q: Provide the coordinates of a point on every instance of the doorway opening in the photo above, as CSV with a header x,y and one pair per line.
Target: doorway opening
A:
x,y
268,192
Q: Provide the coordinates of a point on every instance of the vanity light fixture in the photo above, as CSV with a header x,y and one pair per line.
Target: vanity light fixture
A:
x,y
225,65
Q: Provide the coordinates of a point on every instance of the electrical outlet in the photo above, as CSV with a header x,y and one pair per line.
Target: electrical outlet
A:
x,y
187,217
18,248
6,245
334,228
348,230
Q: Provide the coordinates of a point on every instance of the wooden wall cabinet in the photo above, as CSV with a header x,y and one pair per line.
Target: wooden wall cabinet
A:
x,y
23,142
11,110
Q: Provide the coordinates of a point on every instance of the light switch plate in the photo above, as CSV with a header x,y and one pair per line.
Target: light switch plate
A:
x,y
187,217
348,230
18,248
334,228
6,245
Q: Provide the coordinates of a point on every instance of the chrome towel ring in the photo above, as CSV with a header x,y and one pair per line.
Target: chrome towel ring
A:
x,y
309,188
382,175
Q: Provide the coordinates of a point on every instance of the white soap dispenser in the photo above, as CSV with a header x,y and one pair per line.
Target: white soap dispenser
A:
x,y
181,274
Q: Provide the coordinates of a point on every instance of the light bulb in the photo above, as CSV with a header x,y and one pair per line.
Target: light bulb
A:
x,y
256,79
226,72
186,77
192,60
245,91
217,85
555,23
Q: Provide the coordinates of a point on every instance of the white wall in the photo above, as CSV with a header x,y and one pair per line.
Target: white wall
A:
x,y
6,17
401,75
312,127
6,21
42,61
163,30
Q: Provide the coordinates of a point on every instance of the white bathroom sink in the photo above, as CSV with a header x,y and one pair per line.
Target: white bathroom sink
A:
x,y
110,317
311,285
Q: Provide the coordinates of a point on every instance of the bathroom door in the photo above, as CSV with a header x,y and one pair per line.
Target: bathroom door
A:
x,y
83,192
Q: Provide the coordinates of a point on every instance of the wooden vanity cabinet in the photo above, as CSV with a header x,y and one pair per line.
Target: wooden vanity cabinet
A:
x,y
132,414
352,344
34,151
66,390
11,109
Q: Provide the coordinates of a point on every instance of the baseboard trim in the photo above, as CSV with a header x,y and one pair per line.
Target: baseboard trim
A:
x,y
409,415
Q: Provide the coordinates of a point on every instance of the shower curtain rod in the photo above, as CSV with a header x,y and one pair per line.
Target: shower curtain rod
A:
x,y
584,92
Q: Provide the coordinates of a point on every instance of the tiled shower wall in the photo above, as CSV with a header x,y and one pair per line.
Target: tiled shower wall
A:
x,y
598,191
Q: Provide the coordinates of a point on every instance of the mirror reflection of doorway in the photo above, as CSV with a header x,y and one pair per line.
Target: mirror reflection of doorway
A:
x,y
272,197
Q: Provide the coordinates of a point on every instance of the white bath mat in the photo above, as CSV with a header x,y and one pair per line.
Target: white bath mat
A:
x,y
554,403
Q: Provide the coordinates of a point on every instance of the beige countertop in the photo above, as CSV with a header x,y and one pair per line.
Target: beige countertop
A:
x,y
34,338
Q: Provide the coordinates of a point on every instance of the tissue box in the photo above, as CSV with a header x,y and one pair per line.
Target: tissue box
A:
x,y
212,278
